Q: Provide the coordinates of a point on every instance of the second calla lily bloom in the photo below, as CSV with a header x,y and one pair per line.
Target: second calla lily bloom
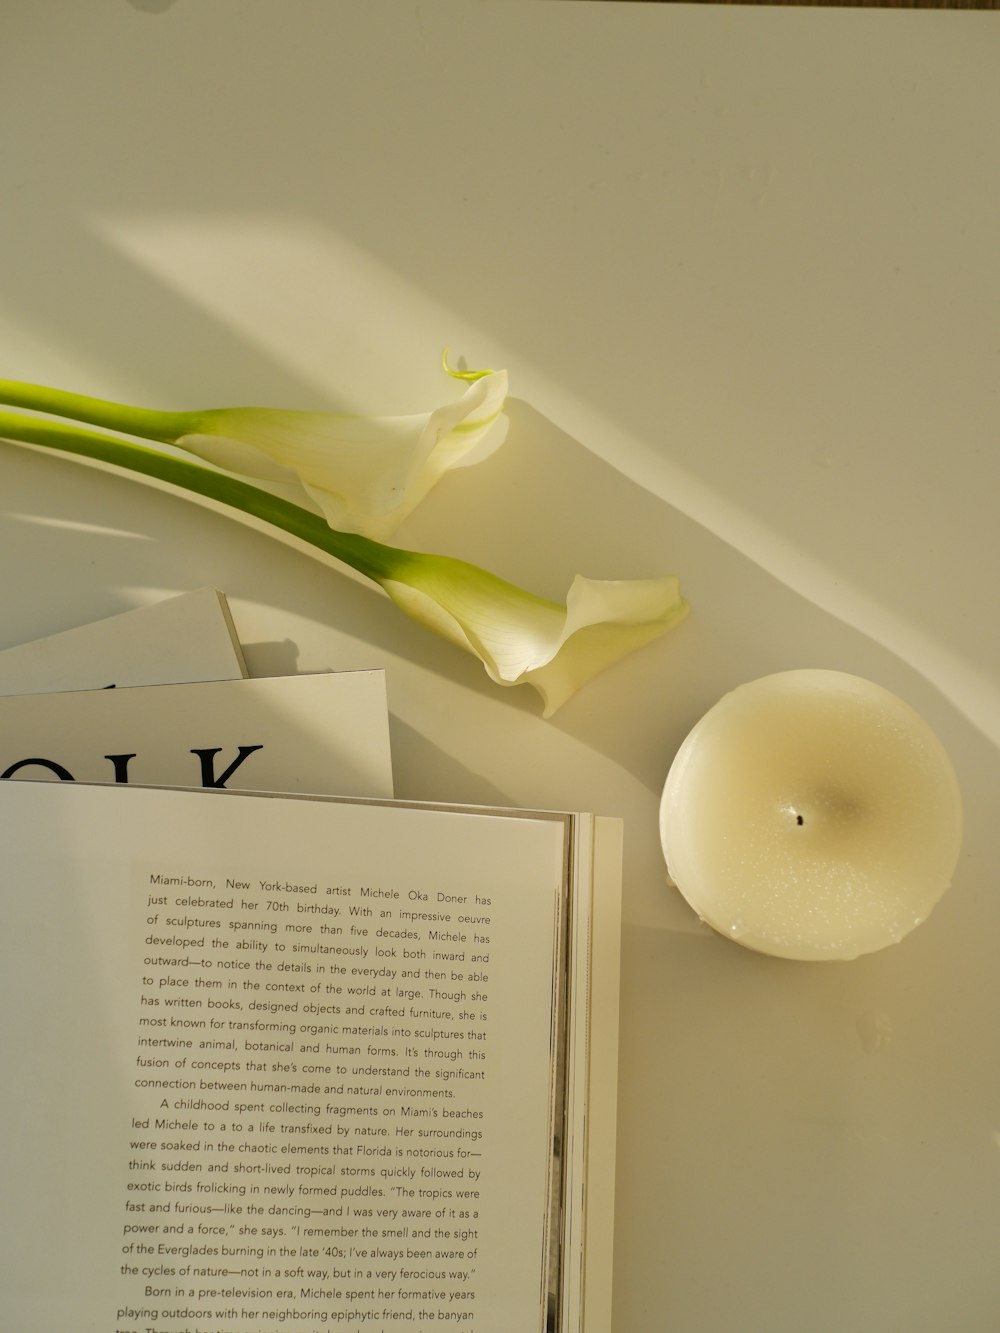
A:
x,y
363,474
524,639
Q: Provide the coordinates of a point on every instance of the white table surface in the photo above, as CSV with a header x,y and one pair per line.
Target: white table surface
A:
x,y
742,266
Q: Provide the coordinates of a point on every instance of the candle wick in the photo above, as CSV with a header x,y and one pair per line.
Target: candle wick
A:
x,y
799,820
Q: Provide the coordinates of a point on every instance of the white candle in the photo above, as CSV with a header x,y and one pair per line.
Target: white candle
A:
x,y
811,814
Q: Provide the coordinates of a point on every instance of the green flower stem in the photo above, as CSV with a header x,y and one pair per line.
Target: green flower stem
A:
x,y
518,637
369,558
163,426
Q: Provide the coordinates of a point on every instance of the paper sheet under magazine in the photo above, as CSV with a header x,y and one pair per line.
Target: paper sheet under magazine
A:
x,y
184,638
326,733
274,1062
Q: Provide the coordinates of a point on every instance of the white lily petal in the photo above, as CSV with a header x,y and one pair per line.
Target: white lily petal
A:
x,y
505,627
606,620
524,639
237,456
364,474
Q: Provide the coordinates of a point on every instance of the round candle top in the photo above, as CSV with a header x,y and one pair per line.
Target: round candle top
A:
x,y
811,814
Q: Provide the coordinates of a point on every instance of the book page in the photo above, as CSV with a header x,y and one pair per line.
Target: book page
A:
x,y
321,734
592,1078
274,1062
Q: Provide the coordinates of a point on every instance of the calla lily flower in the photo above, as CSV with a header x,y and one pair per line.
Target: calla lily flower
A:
x,y
524,639
364,474
519,638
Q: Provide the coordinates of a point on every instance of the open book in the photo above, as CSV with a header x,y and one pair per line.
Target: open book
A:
x,y
292,1062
